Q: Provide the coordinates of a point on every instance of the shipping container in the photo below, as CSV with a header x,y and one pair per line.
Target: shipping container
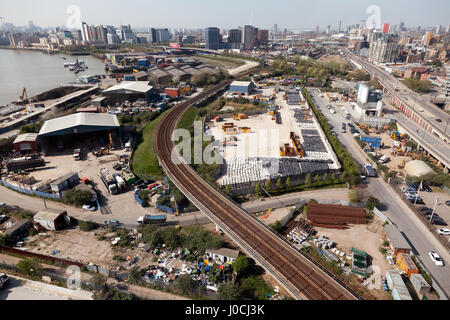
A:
x,y
401,293
394,279
405,263
420,284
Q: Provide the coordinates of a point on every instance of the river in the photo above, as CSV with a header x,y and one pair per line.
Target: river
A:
x,y
38,72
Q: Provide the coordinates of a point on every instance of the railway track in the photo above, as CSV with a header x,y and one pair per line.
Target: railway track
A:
x,y
299,274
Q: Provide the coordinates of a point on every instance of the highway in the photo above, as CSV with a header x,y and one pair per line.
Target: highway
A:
x,y
416,232
408,97
298,274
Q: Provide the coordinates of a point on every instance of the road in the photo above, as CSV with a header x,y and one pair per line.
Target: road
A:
x,y
416,232
410,98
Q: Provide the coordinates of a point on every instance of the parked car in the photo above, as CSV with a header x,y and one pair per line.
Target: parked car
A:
x,y
447,203
438,221
2,204
113,222
436,259
3,218
444,232
416,200
89,208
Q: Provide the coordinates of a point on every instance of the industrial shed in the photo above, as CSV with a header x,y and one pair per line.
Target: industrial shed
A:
x,y
129,91
52,219
397,241
418,168
70,130
159,77
244,87
26,143
223,255
335,216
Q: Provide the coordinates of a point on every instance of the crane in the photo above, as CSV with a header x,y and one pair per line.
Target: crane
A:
x,y
251,44
24,97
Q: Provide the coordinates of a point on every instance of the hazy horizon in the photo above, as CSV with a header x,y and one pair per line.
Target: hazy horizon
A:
x,y
297,14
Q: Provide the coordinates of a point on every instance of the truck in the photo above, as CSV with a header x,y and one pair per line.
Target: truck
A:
x,y
121,184
109,181
370,171
148,219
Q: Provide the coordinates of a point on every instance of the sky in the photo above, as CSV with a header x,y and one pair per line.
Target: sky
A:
x,y
291,14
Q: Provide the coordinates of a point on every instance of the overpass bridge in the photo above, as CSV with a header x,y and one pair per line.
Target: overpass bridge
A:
x,y
426,124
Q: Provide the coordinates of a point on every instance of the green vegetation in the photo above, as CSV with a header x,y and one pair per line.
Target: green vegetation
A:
x,y
416,85
372,202
145,162
87,226
188,118
185,284
31,128
350,167
30,267
206,79
144,195
194,238
228,291
240,265
254,288
6,146
139,121
358,75
236,62
277,227
77,197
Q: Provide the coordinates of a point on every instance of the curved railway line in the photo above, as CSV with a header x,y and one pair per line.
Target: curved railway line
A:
x,y
303,277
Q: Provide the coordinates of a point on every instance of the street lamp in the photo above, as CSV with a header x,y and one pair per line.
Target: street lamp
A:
x,y
434,209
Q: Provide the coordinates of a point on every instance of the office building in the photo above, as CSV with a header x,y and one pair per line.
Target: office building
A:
x,y
249,37
386,28
235,36
212,38
263,38
384,48
275,28
438,29
426,40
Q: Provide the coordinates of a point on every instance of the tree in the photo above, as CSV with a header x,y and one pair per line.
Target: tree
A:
x,y
98,283
185,283
308,179
288,182
258,189
29,267
228,190
372,202
279,184
87,226
325,177
228,291
268,186
134,275
333,177
240,265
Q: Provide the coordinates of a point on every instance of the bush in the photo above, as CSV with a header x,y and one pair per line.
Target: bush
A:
x,y
228,291
87,226
29,267
277,227
77,197
240,265
372,202
185,284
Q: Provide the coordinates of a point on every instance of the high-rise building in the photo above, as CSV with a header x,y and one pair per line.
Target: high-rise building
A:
x,y
128,35
426,40
263,38
317,29
235,36
340,24
402,26
447,30
386,28
212,38
328,31
275,28
384,48
250,37
113,38
438,29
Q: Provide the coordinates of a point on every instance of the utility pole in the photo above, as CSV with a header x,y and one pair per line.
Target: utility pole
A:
x,y
434,209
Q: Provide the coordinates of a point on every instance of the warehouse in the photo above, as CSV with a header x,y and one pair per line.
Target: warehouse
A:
x,y
159,77
129,91
244,87
26,143
71,131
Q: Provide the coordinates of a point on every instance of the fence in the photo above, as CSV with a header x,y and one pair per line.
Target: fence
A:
x,y
380,215
165,209
30,191
136,196
39,256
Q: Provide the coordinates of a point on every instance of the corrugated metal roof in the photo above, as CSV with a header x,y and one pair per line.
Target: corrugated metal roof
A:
x,y
79,119
135,86
48,215
398,241
27,137
225,252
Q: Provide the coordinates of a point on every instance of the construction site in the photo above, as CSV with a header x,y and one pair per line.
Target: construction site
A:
x,y
285,141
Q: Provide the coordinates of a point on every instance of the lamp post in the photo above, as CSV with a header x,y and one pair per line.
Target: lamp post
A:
x,y
434,209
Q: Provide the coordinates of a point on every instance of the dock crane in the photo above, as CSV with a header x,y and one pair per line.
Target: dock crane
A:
x,y
23,99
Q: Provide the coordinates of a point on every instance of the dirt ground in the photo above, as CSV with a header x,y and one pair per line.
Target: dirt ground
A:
x,y
363,237
274,216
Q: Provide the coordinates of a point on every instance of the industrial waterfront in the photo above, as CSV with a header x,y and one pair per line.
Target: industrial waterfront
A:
x,y
38,72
